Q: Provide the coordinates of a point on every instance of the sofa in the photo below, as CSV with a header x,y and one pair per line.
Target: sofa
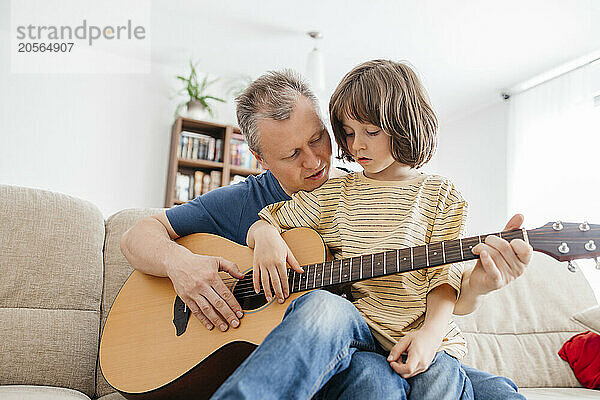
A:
x,y
61,268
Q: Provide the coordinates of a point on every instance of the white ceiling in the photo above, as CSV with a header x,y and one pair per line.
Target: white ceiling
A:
x,y
465,51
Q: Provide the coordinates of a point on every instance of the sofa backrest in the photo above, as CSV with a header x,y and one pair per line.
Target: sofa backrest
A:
x,y
518,330
50,288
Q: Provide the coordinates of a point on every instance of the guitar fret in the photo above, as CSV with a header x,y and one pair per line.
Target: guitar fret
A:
x,y
412,264
331,275
306,284
427,255
372,272
315,277
384,266
360,267
322,274
461,249
350,269
347,265
444,252
397,260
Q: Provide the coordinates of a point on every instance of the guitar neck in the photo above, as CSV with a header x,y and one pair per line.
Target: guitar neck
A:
x,y
368,266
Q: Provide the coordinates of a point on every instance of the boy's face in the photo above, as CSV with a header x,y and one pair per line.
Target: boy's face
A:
x,y
296,150
370,147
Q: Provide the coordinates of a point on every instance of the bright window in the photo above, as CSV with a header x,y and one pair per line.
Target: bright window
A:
x,y
553,155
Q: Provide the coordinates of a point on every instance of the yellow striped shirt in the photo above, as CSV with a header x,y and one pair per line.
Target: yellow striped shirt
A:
x,y
356,215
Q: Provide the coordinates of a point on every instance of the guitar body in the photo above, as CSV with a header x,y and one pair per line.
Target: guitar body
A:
x,y
142,357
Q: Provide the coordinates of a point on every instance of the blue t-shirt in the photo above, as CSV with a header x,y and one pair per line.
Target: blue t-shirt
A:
x,y
228,211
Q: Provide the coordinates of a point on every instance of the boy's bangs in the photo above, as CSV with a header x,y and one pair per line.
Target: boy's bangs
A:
x,y
358,103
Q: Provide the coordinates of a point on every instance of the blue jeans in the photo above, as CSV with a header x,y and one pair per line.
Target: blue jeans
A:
x,y
323,349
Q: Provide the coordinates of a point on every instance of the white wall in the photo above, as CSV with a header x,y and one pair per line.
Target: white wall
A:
x,y
103,138
472,151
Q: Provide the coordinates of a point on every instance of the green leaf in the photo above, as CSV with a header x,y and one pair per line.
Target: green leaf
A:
x,y
214,98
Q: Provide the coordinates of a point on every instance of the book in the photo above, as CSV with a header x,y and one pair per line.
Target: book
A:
x,y
188,153
182,187
203,146
205,183
218,150
198,181
241,155
215,179
195,148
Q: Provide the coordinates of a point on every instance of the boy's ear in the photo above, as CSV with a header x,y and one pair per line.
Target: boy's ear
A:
x,y
260,160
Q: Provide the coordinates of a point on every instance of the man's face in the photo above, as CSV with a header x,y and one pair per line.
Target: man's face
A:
x,y
296,150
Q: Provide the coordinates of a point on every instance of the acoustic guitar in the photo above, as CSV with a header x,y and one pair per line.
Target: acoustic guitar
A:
x,y
151,348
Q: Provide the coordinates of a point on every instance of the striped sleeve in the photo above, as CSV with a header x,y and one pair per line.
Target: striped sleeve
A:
x,y
449,224
303,210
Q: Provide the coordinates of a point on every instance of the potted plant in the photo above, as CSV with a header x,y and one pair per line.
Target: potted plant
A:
x,y
198,105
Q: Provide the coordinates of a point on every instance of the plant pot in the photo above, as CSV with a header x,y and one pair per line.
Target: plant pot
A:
x,y
197,110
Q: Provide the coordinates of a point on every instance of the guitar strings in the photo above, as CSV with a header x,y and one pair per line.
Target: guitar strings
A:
x,y
245,288
247,283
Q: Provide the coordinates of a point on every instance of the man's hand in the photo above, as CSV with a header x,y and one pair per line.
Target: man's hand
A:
x,y
420,346
271,253
197,282
500,262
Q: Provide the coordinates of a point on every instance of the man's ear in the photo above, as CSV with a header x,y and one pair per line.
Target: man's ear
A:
x,y
260,160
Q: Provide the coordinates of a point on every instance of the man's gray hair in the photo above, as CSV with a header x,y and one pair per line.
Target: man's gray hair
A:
x,y
271,96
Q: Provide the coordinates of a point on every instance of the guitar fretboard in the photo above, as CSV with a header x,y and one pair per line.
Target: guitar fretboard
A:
x,y
389,262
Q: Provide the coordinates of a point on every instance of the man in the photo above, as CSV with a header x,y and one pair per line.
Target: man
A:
x,y
278,114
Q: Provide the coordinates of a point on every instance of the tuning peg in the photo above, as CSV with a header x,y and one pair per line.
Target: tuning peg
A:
x,y
584,227
572,266
564,248
597,262
557,226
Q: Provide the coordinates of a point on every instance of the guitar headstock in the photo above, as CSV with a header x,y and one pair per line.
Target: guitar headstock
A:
x,y
566,241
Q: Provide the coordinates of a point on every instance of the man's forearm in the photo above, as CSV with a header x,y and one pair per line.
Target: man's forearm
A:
x,y
148,247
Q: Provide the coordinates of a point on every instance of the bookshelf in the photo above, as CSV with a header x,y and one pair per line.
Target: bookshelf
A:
x,y
203,156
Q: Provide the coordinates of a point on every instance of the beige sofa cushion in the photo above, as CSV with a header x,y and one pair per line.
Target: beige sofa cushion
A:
x,y
50,288
25,392
589,319
531,318
560,394
116,268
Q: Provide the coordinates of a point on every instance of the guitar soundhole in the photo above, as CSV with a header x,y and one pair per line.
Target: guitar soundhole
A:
x,y
245,295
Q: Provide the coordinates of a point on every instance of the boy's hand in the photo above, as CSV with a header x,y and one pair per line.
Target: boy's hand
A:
x,y
500,262
270,256
421,346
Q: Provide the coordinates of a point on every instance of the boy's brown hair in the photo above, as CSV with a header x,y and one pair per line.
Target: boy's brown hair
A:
x,y
389,95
